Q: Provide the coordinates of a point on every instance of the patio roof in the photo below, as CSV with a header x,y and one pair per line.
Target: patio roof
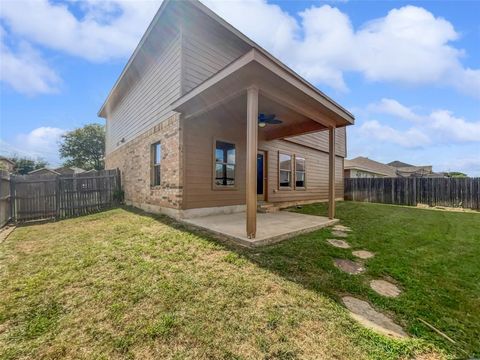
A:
x,y
274,83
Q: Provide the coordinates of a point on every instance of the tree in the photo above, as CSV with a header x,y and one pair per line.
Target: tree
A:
x,y
84,147
456,174
23,165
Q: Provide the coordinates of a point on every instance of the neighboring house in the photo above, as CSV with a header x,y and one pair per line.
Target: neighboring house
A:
x,y
43,171
192,123
69,170
7,164
407,170
363,167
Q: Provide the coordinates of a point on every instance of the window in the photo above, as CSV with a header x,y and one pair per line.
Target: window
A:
x,y
224,164
299,172
285,170
156,163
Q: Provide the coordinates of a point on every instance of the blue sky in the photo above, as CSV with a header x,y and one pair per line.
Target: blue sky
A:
x,y
409,71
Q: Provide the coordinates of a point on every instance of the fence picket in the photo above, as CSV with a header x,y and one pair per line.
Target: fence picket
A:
x,y
449,192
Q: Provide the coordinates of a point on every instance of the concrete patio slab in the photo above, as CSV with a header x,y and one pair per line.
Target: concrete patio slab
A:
x,y
271,227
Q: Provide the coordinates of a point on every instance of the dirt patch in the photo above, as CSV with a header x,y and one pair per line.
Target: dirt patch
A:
x,y
339,243
349,266
5,232
385,288
366,315
339,234
342,228
363,254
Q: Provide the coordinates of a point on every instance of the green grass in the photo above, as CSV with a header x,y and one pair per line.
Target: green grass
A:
x,y
434,256
122,284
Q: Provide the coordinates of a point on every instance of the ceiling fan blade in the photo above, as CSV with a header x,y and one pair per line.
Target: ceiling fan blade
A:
x,y
264,117
273,121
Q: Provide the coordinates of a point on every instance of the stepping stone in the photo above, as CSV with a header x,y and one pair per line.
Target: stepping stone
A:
x,y
339,243
349,266
342,228
385,288
363,254
339,234
366,315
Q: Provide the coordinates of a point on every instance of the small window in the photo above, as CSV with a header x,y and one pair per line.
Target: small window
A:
x,y
156,163
224,164
285,170
299,172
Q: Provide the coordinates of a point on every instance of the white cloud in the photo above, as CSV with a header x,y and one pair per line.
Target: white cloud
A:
x,y
453,128
409,45
442,125
25,71
41,142
393,107
108,30
411,138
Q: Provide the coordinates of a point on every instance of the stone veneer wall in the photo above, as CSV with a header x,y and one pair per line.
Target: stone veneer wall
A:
x,y
134,161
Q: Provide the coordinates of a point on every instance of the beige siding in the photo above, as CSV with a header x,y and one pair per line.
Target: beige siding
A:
x,y
319,141
204,57
148,100
199,138
207,48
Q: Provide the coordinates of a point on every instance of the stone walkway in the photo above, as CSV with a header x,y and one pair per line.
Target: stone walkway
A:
x,y
385,288
361,310
363,254
339,243
366,315
349,266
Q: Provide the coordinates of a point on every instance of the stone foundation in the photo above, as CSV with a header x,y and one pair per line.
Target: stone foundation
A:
x,y
134,159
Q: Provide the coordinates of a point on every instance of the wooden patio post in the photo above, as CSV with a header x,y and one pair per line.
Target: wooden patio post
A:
x,y
251,179
331,173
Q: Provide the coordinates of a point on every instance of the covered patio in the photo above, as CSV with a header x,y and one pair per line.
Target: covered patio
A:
x,y
253,84
271,228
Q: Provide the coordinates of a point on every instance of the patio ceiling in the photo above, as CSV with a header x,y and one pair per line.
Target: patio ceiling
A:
x,y
301,108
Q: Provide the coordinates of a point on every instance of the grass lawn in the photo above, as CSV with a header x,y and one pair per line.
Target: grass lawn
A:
x,y
123,284
434,256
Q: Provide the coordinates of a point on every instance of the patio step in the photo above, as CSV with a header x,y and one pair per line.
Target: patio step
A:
x,y
267,208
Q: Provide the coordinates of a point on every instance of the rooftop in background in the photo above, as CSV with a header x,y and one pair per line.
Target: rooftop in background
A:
x,y
398,164
369,165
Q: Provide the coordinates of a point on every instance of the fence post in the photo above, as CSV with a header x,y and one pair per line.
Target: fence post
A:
x,y
57,197
12,198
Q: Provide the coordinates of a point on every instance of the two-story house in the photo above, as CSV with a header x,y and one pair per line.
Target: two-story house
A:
x,y
202,120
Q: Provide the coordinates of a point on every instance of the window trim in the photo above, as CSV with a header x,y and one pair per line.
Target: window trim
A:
x,y
304,187
285,188
153,165
214,164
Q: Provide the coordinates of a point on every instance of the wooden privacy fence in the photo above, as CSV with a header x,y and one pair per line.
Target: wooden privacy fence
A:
x,y
60,196
4,197
449,192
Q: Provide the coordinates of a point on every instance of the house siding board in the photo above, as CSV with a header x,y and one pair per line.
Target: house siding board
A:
x,y
205,54
319,141
199,135
148,101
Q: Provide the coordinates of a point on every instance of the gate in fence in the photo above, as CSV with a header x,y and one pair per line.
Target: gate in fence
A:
x,y
60,196
449,192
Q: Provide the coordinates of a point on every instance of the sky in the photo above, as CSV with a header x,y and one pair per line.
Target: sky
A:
x,y
408,70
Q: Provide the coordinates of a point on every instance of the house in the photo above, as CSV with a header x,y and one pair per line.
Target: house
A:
x,y
363,167
7,164
69,170
407,170
43,171
204,121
